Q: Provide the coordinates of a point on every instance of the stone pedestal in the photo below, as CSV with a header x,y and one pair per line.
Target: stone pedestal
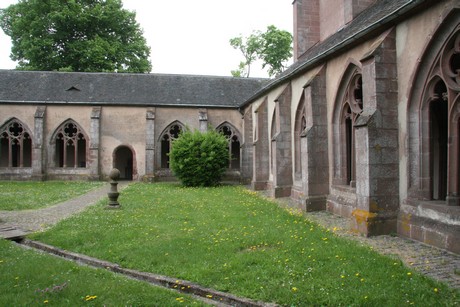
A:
x,y
113,193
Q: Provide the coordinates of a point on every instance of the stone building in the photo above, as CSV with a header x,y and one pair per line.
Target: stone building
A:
x,y
80,125
364,124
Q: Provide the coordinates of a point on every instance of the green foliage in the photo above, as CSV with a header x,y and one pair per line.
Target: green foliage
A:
x,y
250,49
276,49
75,35
199,159
24,195
273,47
230,239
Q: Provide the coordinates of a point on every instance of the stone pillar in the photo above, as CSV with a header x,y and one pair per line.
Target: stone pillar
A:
x,y
203,117
95,138
260,157
282,147
353,8
314,146
38,159
306,25
150,144
247,147
377,149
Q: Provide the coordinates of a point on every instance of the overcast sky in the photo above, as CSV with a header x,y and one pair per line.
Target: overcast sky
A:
x,y
192,37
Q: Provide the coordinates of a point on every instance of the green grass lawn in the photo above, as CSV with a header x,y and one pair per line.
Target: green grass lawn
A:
x,y
38,194
230,239
28,278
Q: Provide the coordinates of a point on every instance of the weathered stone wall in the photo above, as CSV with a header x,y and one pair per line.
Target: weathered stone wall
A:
x,y
107,129
385,133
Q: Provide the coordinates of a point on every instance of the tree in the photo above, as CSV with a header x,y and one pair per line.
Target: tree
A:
x,y
276,49
199,158
273,47
250,50
75,35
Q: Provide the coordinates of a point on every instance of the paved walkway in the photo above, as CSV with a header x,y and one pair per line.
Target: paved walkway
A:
x,y
431,261
28,221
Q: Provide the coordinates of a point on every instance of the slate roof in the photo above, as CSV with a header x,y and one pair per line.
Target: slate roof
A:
x,y
372,21
39,87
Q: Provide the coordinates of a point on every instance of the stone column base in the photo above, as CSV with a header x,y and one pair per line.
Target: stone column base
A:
x,y
258,185
373,224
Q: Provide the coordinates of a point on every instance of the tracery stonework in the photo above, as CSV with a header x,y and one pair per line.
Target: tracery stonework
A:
x,y
234,146
15,145
70,146
352,108
169,135
439,133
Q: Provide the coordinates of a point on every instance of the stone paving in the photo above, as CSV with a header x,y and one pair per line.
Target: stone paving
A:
x,y
30,221
428,260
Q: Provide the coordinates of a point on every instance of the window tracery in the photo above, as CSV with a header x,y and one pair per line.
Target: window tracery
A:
x,y
299,132
439,132
70,146
15,145
233,145
169,135
351,110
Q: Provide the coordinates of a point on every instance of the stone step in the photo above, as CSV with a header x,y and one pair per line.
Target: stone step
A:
x,y
11,232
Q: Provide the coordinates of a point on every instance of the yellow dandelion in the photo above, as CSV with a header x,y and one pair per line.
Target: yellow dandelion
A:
x,y
294,289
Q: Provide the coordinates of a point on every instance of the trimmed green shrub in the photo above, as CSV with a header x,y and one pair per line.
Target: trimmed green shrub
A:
x,y
199,159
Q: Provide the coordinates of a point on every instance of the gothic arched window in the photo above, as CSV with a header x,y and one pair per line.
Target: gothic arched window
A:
x,y
167,137
15,145
352,108
299,130
348,108
234,144
434,121
70,146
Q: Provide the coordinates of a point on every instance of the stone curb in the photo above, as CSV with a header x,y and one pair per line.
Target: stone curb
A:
x,y
182,286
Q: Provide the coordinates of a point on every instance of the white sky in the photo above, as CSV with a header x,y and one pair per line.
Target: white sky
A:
x,y
192,37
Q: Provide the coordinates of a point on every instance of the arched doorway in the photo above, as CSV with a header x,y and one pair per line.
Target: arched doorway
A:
x,y
123,160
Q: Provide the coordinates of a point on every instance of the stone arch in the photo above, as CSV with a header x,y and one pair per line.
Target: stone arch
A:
x,y
69,145
167,136
124,159
15,144
300,125
348,106
234,143
433,143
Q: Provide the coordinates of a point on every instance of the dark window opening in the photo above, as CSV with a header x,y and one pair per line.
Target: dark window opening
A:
x,y
233,146
15,146
438,142
70,146
168,138
349,147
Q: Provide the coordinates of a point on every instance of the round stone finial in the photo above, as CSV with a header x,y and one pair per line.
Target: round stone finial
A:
x,y
114,174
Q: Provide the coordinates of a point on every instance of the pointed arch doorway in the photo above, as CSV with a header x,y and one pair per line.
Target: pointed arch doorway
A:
x,y
124,161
